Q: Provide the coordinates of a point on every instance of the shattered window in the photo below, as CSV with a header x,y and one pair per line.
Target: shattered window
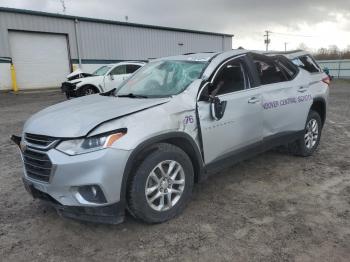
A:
x,y
307,63
163,78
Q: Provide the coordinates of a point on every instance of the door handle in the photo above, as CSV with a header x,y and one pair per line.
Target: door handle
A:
x,y
302,89
253,100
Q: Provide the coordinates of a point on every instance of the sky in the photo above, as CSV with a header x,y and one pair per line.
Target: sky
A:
x,y
311,23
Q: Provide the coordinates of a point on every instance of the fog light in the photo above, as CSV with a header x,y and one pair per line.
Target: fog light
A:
x,y
92,193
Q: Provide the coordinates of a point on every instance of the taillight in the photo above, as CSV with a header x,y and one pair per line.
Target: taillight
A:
x,y
326,80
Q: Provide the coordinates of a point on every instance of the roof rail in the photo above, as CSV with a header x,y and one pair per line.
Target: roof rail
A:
x,y
205,52
284,52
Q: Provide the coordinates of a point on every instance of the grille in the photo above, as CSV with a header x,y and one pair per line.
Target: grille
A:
x,y
37,164
39,140
66,86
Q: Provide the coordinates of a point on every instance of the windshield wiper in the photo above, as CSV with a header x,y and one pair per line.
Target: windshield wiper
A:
x,y
131,95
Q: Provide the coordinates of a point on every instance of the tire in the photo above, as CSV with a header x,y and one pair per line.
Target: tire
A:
x,y
307,143
143,186
87,90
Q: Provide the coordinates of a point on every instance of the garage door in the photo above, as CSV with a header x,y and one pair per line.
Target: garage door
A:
x,y
40,60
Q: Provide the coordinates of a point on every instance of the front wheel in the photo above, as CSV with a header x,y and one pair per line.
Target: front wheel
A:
x,y
88,90
162,184
310,139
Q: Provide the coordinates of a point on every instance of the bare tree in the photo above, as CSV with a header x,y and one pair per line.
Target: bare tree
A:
x,y
332,53
302,46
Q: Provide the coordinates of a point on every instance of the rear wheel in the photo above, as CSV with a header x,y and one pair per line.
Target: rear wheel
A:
x,y
310,139
162,185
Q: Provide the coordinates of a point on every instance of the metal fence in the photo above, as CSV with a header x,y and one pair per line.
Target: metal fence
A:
x,y
337,68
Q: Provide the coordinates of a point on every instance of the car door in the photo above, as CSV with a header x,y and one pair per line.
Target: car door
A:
x,y
285,97
115,77
241,123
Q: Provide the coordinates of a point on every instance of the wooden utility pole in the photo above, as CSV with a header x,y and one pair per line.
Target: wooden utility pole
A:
x,y
267,40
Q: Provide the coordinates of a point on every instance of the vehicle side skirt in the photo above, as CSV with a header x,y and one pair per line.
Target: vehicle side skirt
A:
x,y
252,150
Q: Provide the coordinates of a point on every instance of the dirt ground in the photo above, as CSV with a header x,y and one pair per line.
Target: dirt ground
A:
x,y
274,207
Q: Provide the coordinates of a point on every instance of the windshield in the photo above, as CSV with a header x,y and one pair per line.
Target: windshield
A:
x,y
101,71
163,78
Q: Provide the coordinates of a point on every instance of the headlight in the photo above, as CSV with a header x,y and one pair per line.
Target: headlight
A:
x,y
89,144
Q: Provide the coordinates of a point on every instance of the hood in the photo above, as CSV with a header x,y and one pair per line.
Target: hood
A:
x,y
75,73
90,79
75,118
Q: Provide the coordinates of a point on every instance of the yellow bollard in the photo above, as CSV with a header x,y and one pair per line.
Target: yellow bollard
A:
x,y
13,77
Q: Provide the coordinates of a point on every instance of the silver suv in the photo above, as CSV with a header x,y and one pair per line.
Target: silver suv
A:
x,y
143,146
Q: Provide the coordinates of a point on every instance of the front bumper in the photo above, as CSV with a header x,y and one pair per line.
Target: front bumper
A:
x,y
69,89
103,168
110,214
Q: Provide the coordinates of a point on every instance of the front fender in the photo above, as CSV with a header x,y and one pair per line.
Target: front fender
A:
x,y
141,149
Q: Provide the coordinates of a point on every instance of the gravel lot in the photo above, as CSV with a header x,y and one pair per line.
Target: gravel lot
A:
x,y
274,207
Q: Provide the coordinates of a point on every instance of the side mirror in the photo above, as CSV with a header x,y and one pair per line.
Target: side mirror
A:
x,y
111,77
217,108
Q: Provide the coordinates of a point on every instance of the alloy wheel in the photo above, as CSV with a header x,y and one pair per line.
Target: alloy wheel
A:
x,y
165,185
311,134
89,91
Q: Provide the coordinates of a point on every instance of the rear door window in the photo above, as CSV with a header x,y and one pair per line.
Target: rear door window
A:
x,y
131,68
119,70
269,72
289,69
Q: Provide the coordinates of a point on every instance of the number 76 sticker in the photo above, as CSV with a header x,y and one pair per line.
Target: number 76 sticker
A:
x,y
188,120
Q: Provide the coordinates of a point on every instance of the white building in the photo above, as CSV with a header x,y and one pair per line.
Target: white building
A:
x,y
45,47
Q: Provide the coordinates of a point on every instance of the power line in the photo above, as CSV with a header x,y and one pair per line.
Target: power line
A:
x,y
296,35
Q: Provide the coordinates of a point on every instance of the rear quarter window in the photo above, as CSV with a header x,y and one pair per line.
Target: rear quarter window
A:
x,y
308,63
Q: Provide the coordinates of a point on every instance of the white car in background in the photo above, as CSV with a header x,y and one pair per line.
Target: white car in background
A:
x,y
102,80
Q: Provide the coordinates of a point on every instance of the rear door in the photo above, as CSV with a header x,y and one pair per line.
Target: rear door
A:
x,y
286,97
241,124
